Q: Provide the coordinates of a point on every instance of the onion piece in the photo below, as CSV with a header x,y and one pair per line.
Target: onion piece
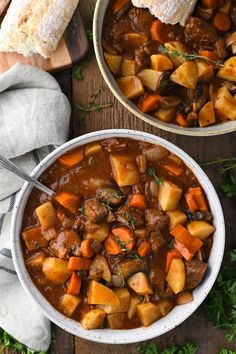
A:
x,y
231,39
155,153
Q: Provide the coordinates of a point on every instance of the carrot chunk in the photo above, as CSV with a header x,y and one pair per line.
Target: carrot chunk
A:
x,y
191,202
175,170
222,21
71,158
77,263
173,254
158,31
125,235
183,251
111,245
86,248
74,284
182,235
138,201
213,58
210,4
144,249
181,120
199,198
69,201
149,103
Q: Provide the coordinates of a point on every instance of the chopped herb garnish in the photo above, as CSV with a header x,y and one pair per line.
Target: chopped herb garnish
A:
x,y
81,210
77,73
189,56
220,305
107,204
118,194
151,172
89,35
151,348
92,105
130,220
37,245
8,342
227,169
121,244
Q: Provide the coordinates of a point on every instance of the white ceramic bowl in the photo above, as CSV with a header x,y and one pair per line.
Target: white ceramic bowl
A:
x,y
223,128
179,313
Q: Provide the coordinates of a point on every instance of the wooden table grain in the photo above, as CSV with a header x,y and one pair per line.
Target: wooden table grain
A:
x,y
197,327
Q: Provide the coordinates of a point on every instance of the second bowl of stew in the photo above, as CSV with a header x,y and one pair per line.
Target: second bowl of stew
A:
x,y
131,243
180,79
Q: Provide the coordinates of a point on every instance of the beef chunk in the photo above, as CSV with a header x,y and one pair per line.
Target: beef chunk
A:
x,y
109,195
158,281
128,267
141,20
142,58
157,241
128,216
65,243
233,14
200,34
110,217
94,210
220,48
205,13
90,226
156,220
195,271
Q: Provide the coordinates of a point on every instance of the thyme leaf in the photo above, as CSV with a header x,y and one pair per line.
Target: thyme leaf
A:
x,y
107,204
130,220
152,172
77,73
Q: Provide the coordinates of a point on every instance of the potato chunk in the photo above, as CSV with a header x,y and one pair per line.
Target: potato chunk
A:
x,y
176,217
150,78
205,71
134,301
206,116
166,115
113,62
99,294
169,195
34,239
184,298
116,320
140,284
128,67
56,270
124,297
200,229
179,47
225,103
46,215
176,275
36,261
124,169
165,306
186,75
148,313
160,62
93,319
131,86
100,263
228,71
99,234
69,304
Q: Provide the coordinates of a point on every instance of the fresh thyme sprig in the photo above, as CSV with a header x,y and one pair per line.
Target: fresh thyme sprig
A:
x,y
151,348
227,168
220,305
189,56
8,342
107,204
118,194
130,220
92,105
152,172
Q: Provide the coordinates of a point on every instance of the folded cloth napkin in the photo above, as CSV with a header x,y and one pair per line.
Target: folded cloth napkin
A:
x,y
34,118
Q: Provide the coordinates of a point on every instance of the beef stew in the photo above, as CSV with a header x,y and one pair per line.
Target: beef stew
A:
x,y
179,75
126,238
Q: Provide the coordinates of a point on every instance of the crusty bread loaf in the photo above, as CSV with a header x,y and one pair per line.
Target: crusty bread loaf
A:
x,y
35,26
168,11
3,5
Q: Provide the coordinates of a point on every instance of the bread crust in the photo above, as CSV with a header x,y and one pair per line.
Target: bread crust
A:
x,y
3,5
33,26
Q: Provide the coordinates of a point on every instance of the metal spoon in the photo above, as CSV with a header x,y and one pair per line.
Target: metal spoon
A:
x,y
10,166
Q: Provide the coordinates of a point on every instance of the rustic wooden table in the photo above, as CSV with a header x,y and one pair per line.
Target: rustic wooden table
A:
x,y
197,327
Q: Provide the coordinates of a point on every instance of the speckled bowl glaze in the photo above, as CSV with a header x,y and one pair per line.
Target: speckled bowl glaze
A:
x,y
178,314
218,129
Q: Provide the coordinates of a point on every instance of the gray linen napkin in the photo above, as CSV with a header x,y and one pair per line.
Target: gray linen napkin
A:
x,y
34,117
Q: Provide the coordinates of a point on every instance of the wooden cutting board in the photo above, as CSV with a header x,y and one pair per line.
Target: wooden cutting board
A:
x,y
71,49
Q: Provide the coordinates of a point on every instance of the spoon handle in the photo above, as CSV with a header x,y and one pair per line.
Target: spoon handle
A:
x,y
10,166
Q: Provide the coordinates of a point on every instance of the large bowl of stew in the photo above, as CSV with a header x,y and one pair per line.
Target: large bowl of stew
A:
x,y
180,79
130,245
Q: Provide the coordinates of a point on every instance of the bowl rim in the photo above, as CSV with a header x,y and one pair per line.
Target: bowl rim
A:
x,y
212,130
176,316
